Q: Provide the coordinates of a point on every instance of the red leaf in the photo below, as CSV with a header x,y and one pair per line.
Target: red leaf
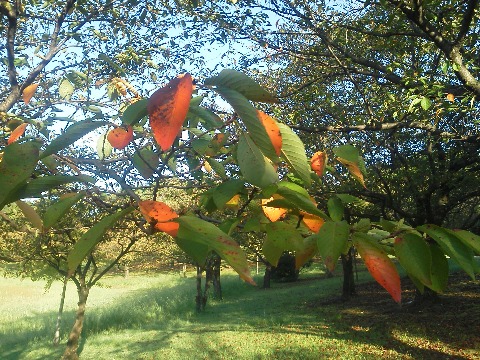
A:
x,y
19,130
168,108
318,162
379,265
119,138
159,214
273,131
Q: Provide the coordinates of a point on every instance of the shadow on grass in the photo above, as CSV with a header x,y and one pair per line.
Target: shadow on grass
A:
x,y
305,324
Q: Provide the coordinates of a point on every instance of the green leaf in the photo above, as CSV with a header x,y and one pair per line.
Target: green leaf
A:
x,y
335,208
347,152
92,237
201,145
271,251
452,246
225,191
112,64
439,270
217,167
293,152
104,149
146,162
56,211
135,112
299,197
253,165
205,116
71,134
468,238
425,103
14,173
248,114
229,225
195,229
35,187
65,89
30,214
284,236
331,241
196,250
242,83
413,253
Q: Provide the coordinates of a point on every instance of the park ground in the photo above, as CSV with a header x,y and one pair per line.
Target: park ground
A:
x,y
152,316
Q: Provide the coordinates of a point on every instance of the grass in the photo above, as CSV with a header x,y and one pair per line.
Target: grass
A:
x,y
153,317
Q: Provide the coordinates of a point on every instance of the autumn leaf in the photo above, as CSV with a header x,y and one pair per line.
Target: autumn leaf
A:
x,y
354,170
168,108
378,264
233,202
318,162
273,213
313,222
119,138
15,135
273,131
28,92
159,214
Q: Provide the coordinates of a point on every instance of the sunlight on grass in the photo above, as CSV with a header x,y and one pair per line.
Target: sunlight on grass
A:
x,y
153,317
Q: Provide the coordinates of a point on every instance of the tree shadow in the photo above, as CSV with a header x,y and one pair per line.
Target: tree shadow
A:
x,y
371,320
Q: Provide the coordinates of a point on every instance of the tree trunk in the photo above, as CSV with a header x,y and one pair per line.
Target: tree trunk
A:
x,y
56,337
208,281
199,297
217,286
74,337
348,276
126,272
267,277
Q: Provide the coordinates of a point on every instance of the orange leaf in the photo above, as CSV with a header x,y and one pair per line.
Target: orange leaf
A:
x,y
19,130
119,138
318,162
159,214
313,222
354,170
28,92
273,131
380,266
273,213
168,108
450,97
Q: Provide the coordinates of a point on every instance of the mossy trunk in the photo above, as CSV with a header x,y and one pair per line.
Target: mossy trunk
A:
x,y
74,337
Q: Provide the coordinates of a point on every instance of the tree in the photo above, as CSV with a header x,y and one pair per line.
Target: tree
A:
x,y
245,155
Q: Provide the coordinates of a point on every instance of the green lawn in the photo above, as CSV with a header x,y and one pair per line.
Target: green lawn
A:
x,y
153,317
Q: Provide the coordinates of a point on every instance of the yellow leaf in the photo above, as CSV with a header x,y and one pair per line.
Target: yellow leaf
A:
x,y
28,92
354,170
